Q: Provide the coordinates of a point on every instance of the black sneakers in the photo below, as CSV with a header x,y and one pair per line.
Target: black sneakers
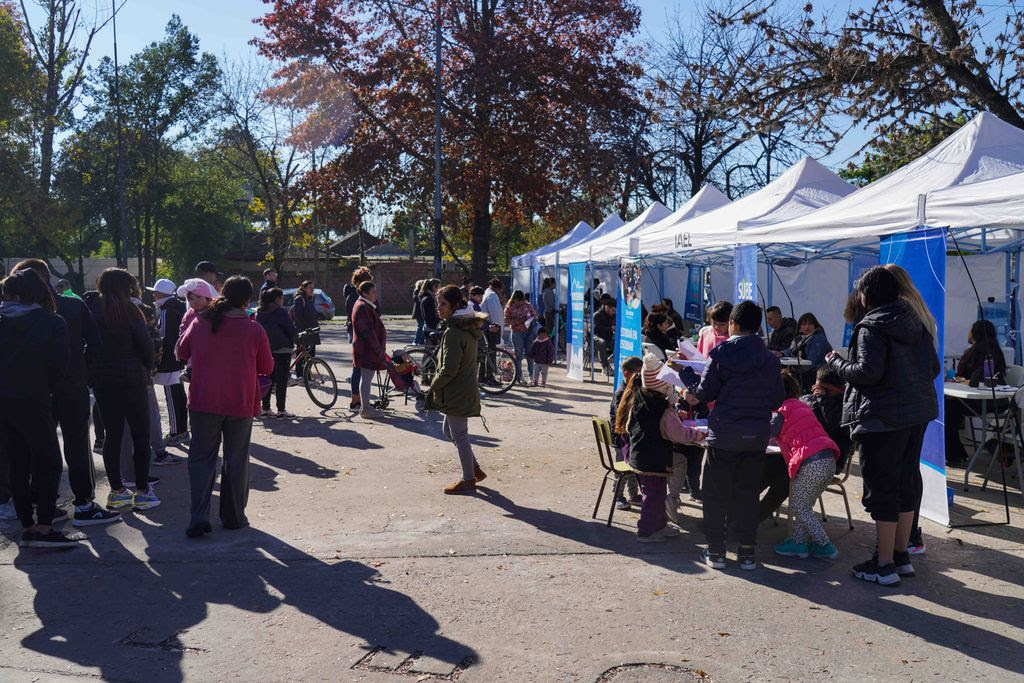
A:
x,y
94,515
50,539
745,556
902,562
713,559
871,572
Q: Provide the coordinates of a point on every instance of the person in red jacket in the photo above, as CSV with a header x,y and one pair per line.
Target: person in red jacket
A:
x,y
810,457
370,339
228,352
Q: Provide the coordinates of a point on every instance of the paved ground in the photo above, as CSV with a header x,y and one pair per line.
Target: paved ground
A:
x,y
357,568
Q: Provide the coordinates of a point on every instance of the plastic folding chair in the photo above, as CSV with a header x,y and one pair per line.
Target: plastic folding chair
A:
x,y
613,468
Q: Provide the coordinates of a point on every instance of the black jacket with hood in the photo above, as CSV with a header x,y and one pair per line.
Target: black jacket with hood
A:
x,y
170,312
890,376
34,354
83,337
127,355
744,379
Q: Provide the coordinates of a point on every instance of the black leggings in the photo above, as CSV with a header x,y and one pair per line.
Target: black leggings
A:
x,y
282,362
28,436
117,404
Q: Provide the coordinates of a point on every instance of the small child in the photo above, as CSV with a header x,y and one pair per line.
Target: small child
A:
x,y
630,367
543,354
653,426
826,400
742,378
811,457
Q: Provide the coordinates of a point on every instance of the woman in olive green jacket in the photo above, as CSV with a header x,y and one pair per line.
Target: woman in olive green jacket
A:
x,y
455,391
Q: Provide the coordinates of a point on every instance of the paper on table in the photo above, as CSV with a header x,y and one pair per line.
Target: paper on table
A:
x,y
670,376
687,348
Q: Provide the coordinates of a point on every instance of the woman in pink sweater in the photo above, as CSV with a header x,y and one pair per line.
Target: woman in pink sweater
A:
x,y
810,457
228,352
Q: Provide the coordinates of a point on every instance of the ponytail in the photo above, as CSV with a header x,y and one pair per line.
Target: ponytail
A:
x,y
625,409
236,293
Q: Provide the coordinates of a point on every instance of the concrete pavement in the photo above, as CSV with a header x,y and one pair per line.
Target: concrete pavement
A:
x,y
356,567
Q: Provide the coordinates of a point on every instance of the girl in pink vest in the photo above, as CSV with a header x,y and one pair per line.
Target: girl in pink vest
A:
x,y
811,457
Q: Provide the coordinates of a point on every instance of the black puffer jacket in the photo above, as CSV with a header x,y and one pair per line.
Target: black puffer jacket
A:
x,y
280,330
126,357
33,354
649,451
170,313
890,376
744,379
83,336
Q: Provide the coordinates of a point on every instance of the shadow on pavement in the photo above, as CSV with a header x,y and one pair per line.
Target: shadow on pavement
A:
x,y
137,618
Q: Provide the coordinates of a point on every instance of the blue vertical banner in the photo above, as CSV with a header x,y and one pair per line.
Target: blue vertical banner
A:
x,y
744,273
628,315
577,316
922,253
858,264
694,287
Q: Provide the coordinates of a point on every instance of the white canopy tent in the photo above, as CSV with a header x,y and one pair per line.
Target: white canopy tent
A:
x,y
581,250
616,244
983,150
580,231
803,188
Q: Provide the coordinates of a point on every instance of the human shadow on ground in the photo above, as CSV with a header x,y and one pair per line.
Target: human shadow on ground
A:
x,y
324,429
138,618
675,555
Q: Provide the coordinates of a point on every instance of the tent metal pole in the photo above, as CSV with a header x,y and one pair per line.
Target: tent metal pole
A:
x,y
558,303
589,305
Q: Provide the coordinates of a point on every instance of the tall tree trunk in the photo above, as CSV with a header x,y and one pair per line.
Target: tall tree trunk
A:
x,y
482,224
138,242
147,245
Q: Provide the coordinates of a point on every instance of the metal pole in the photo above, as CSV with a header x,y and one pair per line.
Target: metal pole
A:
x,y
437,143
558,305
122,207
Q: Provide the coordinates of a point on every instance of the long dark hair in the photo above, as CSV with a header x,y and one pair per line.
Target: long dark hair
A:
x,y
454,296
269,296
116,286
809,318
653,320
28,288
236,293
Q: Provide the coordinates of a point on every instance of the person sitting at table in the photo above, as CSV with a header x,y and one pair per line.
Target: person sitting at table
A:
x,y
811,345
783,329
971,368
670,311
656,332
604,331
717,330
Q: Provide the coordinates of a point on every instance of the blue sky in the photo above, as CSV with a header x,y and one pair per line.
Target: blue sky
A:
x,y
225,28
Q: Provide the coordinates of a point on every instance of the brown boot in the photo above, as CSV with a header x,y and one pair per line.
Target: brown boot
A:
x,y
461,487
478,474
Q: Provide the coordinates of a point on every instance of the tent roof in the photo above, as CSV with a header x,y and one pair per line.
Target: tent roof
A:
x,y
604,245
580,231
984,149
616,244
806,186
612,222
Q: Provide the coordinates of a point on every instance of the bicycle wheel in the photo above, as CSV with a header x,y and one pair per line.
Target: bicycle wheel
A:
x,y
320,383
425,362
499,372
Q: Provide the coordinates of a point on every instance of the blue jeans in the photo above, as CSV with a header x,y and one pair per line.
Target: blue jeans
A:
x,y
357,374
420,337
519,343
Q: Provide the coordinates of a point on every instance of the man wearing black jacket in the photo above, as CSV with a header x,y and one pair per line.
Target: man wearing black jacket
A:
x,y
71,401
783,329
169,311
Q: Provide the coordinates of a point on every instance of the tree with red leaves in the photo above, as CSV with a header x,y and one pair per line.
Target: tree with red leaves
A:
x,y
530,92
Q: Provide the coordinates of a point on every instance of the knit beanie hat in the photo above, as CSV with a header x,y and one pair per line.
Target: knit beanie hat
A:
x,y
649,375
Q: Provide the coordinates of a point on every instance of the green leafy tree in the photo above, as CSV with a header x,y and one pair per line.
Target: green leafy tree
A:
x,y
899,147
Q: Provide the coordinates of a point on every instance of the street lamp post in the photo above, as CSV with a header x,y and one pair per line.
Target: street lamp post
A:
x,y
242,206
437,142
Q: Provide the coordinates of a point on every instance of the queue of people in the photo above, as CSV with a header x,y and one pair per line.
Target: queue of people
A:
x,y
55,349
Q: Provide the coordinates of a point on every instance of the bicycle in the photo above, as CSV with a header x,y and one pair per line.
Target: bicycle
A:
x,y
498,371
317,375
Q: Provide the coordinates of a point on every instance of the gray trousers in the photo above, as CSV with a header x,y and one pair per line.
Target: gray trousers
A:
x,y
366,378
207,432
457,429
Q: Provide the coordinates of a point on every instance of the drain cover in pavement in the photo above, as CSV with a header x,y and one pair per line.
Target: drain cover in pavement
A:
x,y
651,672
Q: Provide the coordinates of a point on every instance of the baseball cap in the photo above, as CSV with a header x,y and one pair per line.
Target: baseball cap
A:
x,y
208,267
163,286
197,286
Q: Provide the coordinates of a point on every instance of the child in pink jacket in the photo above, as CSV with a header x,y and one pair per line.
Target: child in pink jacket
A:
x,y
811,457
